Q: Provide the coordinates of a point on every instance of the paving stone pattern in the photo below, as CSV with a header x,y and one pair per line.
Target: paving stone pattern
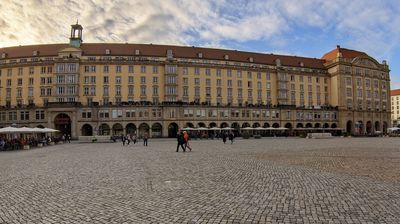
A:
x,y
270,180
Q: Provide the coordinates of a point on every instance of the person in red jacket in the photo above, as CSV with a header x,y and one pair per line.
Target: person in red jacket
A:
x,y
186,137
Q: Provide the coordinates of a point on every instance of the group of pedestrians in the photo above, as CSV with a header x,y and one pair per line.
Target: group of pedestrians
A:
x,y
230,136
183,141
133,138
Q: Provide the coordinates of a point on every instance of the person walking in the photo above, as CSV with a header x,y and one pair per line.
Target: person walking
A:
x,y
186,138
145,138
128,139
231,137
134,138
181,141
224,137
123,140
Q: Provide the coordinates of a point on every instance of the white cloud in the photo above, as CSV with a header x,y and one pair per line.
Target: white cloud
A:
x,y
373,26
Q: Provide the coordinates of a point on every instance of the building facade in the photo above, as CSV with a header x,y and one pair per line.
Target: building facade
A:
x,y
105,89
395,99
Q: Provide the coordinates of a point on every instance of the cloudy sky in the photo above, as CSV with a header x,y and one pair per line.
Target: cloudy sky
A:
x,y
296,27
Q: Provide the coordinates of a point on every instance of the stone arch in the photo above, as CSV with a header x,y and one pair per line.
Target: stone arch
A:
x,y
266,125
40,126
368,127
62,122
143,128
326,125
334,125
349,127
317,125
189,125
245,125
308,125
275,125
130,128
235,125
156,130
173,129
385,126
104,129
117,129
288,126
360,127
213,124
299,125
87,130
256,124
224,125
201,124
377,126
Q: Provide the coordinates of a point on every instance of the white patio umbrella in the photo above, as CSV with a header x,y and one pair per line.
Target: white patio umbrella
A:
x,y
227,128
49,130
9,130
188,129
214,129
248,128
202,129
260,128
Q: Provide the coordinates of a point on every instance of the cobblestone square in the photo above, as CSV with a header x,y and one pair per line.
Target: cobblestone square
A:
x,y
270,180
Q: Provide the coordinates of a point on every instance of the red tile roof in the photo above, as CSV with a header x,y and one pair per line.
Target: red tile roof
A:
x,y
395,92
98,49
346,53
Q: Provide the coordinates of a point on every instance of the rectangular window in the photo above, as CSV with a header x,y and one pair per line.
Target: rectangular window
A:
x,y
143,90
130,69
185,71
118,69
20,71
155,80
130,79
105,80
208,71
31,70
118,80
143,80
155,69
197,71
105,69
229,73
130,90
143,69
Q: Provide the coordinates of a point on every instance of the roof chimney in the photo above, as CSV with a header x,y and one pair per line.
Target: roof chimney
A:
x,y
338,46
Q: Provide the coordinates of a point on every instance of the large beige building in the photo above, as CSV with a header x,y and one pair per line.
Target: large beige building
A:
x,y
89,89
395,99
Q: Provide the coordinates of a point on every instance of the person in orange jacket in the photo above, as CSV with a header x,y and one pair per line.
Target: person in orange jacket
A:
x,y
186,137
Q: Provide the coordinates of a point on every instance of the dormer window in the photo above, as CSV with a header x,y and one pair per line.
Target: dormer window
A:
x,y
3,55
200,55
226,57
301,64
278,62
251,59
137,52
35,53
169,54
108,51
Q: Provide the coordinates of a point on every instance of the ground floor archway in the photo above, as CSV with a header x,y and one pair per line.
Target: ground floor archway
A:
x,y
173,129
104,129
62,122
156,130
87,130
130,129
349,127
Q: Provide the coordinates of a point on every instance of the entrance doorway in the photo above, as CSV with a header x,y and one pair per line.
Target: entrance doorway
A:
x,y
62,122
